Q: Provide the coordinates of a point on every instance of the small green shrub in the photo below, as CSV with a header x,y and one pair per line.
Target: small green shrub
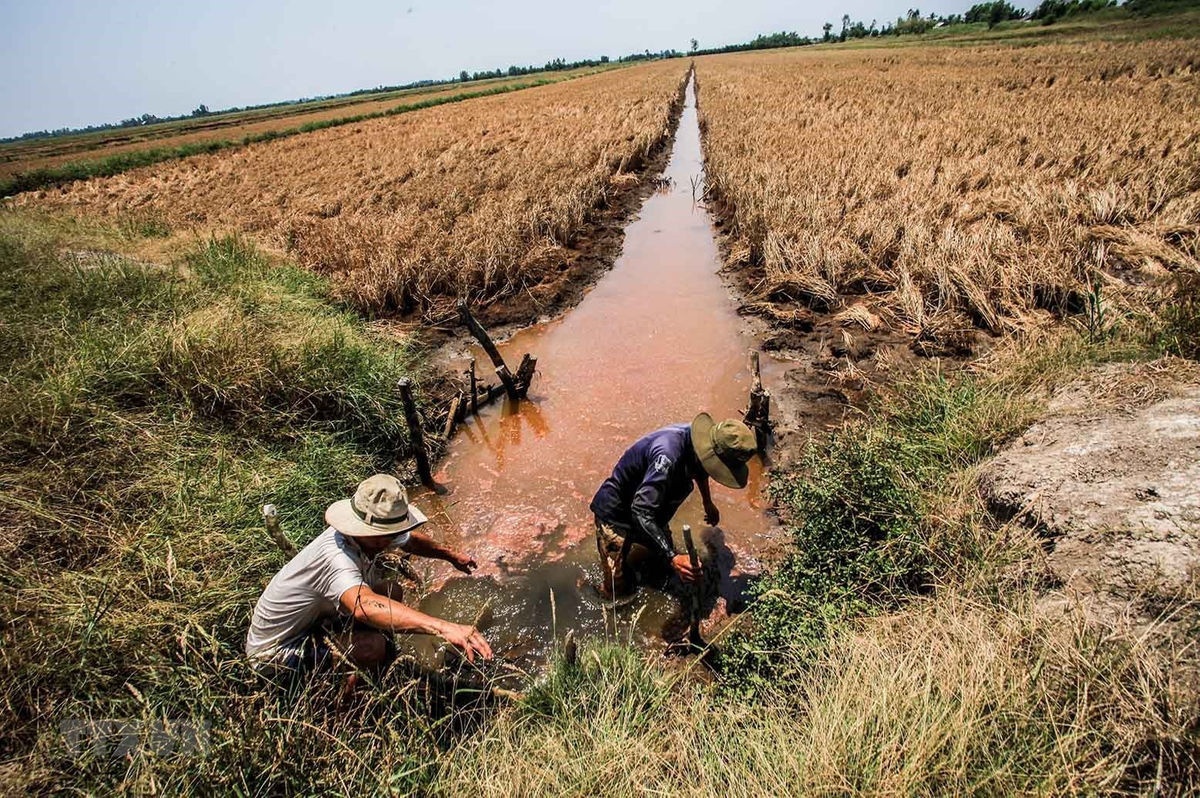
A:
x,y
857,506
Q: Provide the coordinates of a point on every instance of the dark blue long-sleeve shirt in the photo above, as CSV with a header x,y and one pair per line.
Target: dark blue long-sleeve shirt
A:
x,y
647,486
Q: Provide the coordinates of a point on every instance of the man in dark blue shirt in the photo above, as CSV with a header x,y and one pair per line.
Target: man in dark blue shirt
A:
x,y
634,506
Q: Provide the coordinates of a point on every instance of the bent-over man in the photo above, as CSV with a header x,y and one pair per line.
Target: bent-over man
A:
x,y
330,593
634,506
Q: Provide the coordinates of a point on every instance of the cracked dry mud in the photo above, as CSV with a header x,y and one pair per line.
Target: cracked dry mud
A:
x,y
1110,478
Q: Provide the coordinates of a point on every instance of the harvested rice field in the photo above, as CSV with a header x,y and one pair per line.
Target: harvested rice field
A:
x,y
944,191
47,153
475,200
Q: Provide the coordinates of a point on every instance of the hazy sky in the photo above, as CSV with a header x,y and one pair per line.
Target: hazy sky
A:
x,y
68,63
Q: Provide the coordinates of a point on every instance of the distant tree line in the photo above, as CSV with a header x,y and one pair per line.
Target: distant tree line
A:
x,y
991,13
560,64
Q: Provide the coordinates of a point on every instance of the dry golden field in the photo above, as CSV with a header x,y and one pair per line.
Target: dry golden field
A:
x,y
23,156
941,190
476,199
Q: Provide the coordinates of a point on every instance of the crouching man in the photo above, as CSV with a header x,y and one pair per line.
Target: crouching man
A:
x,y
329,596
634,506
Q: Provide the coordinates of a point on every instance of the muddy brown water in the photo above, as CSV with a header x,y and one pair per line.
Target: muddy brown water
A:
x,y
657,340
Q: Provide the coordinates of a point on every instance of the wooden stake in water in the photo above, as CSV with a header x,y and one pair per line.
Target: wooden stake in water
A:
x,y
474,389
694,638
758,414
485,340
415,435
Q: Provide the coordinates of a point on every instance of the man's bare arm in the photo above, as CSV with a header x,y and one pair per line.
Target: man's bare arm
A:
x,y
383,613
422,545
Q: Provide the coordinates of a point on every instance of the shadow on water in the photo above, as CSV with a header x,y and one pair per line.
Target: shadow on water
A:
x,y
656,340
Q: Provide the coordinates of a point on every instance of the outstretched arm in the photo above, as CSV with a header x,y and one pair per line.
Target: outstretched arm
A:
x,y
422,545
385,614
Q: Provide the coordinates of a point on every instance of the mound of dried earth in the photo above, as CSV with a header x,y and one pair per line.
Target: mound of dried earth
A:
x,y
1110,478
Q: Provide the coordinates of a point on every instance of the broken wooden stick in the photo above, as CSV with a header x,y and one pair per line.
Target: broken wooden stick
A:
x,y
694,639
452,416
415,435
485,341
271,517
525,374
758,414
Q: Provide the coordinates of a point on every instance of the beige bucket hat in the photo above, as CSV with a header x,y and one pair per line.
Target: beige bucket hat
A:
x,y
379,507
724,448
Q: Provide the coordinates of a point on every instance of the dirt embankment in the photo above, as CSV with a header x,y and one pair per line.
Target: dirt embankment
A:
x,y
1110,481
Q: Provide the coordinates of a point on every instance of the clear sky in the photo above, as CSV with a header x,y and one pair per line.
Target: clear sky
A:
x,y
69,63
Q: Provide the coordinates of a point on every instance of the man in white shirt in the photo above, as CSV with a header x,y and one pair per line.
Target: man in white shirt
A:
x,y
330,593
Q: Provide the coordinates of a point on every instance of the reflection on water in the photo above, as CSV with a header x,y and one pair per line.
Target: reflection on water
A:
x,y
655,342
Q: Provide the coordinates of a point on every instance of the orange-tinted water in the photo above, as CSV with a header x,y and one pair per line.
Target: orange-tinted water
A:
x,y
656,341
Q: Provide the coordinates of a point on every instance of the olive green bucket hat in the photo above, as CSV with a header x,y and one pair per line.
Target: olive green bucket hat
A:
x,y
724,448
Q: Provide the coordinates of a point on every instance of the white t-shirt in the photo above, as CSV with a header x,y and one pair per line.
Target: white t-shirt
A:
x,y
308,589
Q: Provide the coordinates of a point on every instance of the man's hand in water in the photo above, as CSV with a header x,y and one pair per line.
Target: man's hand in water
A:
x,y
466,638
683,566
464,563
712,516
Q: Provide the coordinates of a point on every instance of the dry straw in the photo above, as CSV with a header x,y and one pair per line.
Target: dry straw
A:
x,y
475,200
951,189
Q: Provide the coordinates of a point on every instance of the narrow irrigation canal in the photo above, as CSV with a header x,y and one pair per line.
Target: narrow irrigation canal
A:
x,y
656,341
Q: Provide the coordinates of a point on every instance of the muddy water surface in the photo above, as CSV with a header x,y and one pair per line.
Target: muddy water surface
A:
x,y
656,341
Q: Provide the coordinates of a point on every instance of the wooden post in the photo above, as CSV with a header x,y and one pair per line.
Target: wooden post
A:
x,y
694,638
758,414
474,389
452,416
271,517
486,342
525,373
570,649
416,437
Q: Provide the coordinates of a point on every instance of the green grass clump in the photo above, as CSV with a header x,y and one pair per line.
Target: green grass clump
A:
x,y
858,505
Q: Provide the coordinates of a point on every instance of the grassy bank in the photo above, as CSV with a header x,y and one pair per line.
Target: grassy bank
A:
x,y
150,406
148,411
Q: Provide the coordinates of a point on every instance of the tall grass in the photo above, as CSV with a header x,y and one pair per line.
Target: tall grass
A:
x,y
953,696
146,412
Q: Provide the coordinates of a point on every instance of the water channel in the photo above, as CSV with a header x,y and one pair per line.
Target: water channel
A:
x,y
657,340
